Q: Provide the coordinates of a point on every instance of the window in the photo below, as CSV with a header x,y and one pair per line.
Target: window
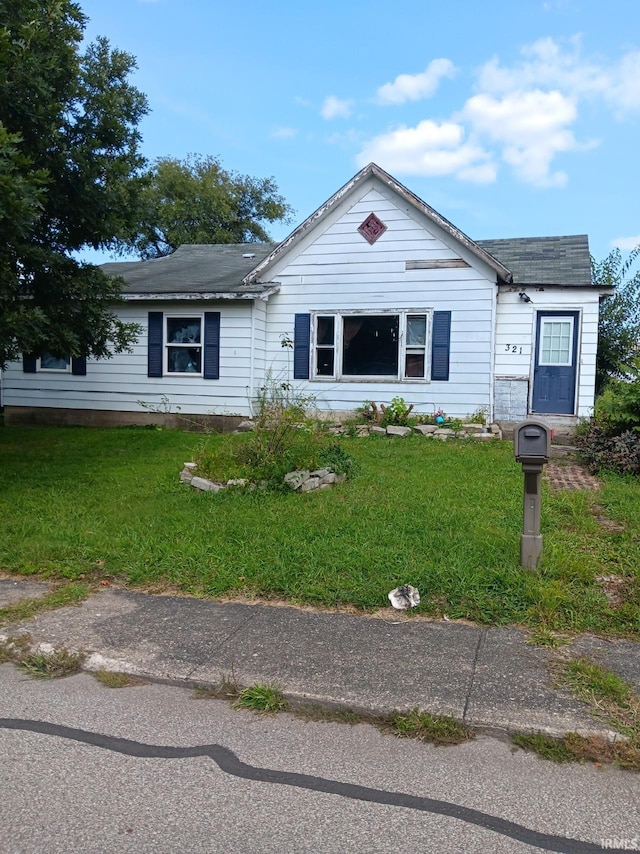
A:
x,y
385,345
556,342
184,344
49,362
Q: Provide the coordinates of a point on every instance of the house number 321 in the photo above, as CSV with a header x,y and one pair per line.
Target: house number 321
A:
x,y
512,348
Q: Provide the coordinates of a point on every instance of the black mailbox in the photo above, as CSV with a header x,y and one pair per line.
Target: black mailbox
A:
x,y
532,441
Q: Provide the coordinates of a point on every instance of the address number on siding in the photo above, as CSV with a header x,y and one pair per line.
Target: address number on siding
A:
x,y
515,349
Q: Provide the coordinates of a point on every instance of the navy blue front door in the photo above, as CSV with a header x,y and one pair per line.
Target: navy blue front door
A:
x,y
554,372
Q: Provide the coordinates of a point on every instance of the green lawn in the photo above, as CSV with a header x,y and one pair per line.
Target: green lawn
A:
x,y
446,517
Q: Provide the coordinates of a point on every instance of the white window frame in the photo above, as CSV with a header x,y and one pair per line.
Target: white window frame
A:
x,y
556,319
66,370
167,345
402,315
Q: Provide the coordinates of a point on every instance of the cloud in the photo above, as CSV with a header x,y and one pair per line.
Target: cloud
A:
x,y
334,108
430,149
530,128
283,133
415,87
546,64
626,243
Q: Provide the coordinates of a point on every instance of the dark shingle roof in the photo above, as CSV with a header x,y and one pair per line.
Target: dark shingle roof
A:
x,y
207,268
544,260
220,268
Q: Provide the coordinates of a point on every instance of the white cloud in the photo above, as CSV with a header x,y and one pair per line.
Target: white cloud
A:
x,y
335,108
430,149
548,65
284,133
626,243
530,127
414,87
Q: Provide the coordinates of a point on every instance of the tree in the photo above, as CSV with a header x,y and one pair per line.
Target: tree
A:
x,y
619,324
197,201
70,177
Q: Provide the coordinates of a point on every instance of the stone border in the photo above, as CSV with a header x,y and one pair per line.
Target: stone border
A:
x,y
433,431
302,481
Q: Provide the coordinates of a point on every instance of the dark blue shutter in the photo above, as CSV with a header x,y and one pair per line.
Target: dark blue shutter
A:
x,y
440,345
79,367
301,344
154,344
212,345
29,364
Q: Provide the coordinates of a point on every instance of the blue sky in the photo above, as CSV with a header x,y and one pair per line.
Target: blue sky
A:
x,y
512,118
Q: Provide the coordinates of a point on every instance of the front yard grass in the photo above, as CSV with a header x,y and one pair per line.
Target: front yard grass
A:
x,y
90,505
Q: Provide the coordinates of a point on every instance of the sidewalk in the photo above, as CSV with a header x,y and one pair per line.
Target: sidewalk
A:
x,y
488,677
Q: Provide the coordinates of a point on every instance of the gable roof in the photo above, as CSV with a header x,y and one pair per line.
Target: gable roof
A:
x,y
372,169
544,260
208,270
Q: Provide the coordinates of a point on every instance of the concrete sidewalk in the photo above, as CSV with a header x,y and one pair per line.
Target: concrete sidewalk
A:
x,y
488,677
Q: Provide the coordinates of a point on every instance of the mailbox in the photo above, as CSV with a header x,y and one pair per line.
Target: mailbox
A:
x,y
532,441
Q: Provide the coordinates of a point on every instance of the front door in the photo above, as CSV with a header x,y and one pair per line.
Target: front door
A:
x,y
555,366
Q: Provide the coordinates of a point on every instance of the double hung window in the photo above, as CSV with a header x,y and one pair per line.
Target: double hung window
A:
x,y
183,344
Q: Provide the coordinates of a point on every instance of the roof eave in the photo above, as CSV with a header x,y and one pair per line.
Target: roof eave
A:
x,y
132,296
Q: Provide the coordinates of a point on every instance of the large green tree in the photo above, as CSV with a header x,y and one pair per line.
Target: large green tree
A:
x,y
619,325
196,200
70,177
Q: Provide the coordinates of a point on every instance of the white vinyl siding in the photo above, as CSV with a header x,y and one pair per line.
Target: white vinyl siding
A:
x,y
121,383
336,270
516,332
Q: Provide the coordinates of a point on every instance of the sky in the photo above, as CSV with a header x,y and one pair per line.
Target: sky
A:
x,y
512,118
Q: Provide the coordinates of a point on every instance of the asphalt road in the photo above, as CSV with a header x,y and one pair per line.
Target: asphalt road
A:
x,y
84,768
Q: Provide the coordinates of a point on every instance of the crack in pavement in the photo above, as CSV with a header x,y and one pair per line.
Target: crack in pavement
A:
x,y
229,763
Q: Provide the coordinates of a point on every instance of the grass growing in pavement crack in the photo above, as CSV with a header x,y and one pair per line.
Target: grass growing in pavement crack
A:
x,y
116,680
423,726
611,700
51,665
261,698
436,729
24,609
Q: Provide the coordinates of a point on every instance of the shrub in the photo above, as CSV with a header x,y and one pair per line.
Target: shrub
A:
x,y
618,407
284,439
397,413
603,451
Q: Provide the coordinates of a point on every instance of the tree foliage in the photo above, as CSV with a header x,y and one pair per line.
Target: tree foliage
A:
x,y
70,176
196,200
619,325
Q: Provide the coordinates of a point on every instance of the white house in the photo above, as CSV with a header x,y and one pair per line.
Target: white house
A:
x,y
375,295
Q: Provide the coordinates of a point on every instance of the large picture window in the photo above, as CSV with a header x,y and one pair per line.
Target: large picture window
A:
x,y
385,345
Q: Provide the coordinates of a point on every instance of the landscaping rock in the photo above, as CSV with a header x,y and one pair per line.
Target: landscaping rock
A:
x,y
484,436
377,431
496,430
425,429
244,427
310,483
295,479
444,433
396,430
328,479
320,472
473,428
206,485
186,475
238,481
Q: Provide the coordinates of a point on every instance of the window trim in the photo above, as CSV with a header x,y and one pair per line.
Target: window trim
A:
x,y
402,314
